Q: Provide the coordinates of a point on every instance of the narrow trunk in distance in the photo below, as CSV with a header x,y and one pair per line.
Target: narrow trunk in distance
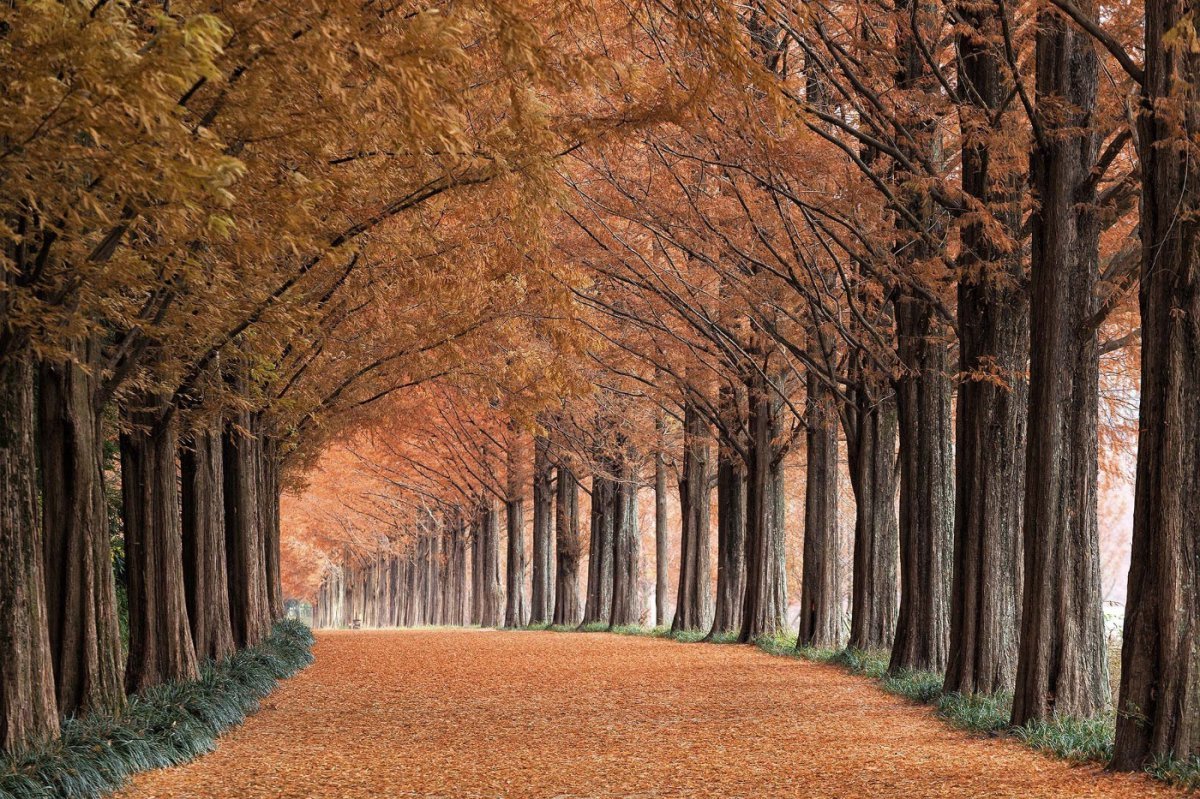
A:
x,y
566,530
598,604
693,604
541,604
626,605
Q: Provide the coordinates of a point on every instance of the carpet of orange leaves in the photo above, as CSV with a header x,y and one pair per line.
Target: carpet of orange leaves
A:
x,y
542,714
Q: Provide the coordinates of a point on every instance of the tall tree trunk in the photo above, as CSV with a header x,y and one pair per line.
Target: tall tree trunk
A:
x,y
871,450
566,530
597,607
731,523
926,491
477,582
1062,668
270,490
245,546
661,543
205,573
460,613
626,606
433,570
993,328
764,601
821,584
160,637
514,608
1160,662
493,598
28,714
923,389
541,604
693,603
731,542
81,599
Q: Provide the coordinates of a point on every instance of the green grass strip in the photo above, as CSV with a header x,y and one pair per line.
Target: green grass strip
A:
x,y
163,726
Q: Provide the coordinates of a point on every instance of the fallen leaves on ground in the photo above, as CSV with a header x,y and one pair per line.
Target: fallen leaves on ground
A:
x,y
476,713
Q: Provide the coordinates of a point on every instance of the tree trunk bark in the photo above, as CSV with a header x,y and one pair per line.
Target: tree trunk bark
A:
x,y
160,637
477,539
493,598
821,584
566,530
626,607
661,542
764,602
205,574
1062,668
245,544
28,714
541,604
993,327
81,598
597,607
871,449
731,524
1159,706
270,490
731,543
460,613
926,491
693,604
514,608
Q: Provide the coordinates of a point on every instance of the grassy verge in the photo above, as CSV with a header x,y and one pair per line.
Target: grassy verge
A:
x,y
1080,741
164,726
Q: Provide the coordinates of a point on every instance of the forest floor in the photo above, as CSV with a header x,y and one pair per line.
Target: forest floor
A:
x,y
472,713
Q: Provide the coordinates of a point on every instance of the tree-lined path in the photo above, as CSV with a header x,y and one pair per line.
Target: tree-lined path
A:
x,y
542,714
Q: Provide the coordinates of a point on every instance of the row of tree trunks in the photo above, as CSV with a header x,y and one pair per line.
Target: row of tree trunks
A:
x,y
426,585
693,608
81,599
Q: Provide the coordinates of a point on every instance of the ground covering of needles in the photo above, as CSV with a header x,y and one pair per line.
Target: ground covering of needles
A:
x,y
472,713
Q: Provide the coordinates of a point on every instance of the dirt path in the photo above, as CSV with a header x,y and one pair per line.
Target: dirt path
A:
x,y
474,713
